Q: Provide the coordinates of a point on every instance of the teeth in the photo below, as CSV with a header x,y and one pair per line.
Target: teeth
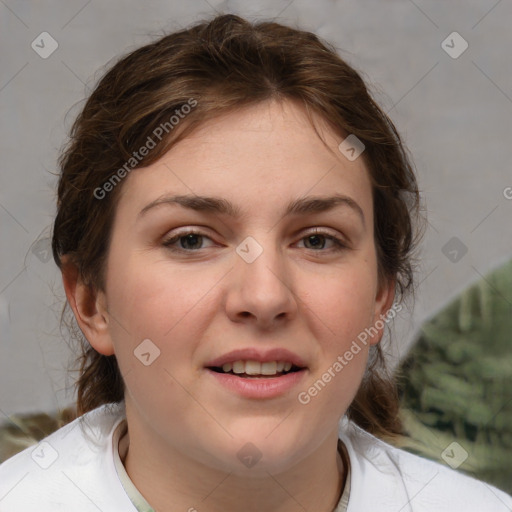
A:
x,y
269,368
238,367
252,368
257,368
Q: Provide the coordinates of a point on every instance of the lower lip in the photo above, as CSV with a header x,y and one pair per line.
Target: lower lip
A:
x,y
260,387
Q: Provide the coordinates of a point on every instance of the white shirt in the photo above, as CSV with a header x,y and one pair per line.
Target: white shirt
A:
x,y
78,468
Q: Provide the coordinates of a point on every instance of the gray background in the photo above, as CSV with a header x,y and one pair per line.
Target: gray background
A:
x,y
454,114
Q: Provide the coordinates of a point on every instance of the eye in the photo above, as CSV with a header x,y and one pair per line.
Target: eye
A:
x,y
317,240
189,241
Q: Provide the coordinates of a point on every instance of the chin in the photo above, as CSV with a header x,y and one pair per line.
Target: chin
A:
x,y
258,455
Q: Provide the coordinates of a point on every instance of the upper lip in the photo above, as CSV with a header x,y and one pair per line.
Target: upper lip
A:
x,y
254,354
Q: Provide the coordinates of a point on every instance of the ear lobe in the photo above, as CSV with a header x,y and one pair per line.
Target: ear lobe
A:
x,y
89,308
383,302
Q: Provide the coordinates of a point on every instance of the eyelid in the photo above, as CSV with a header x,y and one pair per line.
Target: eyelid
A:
x,y
176,235
340,241
323,231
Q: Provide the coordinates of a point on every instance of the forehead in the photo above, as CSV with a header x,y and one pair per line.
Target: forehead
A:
x,y
263,154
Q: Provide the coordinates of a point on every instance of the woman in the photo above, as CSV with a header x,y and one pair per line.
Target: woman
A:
x,y
235,225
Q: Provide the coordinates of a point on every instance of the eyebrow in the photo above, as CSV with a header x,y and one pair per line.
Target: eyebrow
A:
x,y
217,205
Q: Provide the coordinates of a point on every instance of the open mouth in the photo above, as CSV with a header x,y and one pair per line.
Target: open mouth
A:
x,y
256,370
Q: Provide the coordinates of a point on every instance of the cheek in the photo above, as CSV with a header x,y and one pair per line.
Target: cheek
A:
x,y
339,309
149,299
145,294
343,302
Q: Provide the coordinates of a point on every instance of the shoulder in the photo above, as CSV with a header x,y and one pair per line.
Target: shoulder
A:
x,y
389,478
72,466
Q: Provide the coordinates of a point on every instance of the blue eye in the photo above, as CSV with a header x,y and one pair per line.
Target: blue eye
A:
x,y
189,238
192,241
318,240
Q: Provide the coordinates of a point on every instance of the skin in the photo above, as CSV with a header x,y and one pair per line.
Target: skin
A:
x,y
185,430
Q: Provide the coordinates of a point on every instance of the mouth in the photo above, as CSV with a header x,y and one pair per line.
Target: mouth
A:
x,y
256,370
252,373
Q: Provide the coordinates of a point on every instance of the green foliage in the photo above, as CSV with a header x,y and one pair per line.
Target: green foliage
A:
x,y
456,382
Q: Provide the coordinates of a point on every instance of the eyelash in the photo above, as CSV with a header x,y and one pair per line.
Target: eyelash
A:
x,y
340,245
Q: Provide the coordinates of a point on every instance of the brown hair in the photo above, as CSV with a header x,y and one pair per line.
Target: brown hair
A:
x,y
224,64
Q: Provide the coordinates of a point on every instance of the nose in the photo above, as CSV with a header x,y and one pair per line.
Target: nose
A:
x,y
261,292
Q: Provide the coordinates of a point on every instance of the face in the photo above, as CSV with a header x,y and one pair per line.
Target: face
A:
x,y
251,288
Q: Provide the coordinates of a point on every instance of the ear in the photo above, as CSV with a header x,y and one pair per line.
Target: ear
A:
x,y
89,307
383,302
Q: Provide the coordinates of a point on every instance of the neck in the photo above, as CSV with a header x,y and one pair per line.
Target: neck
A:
x,y
168,480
